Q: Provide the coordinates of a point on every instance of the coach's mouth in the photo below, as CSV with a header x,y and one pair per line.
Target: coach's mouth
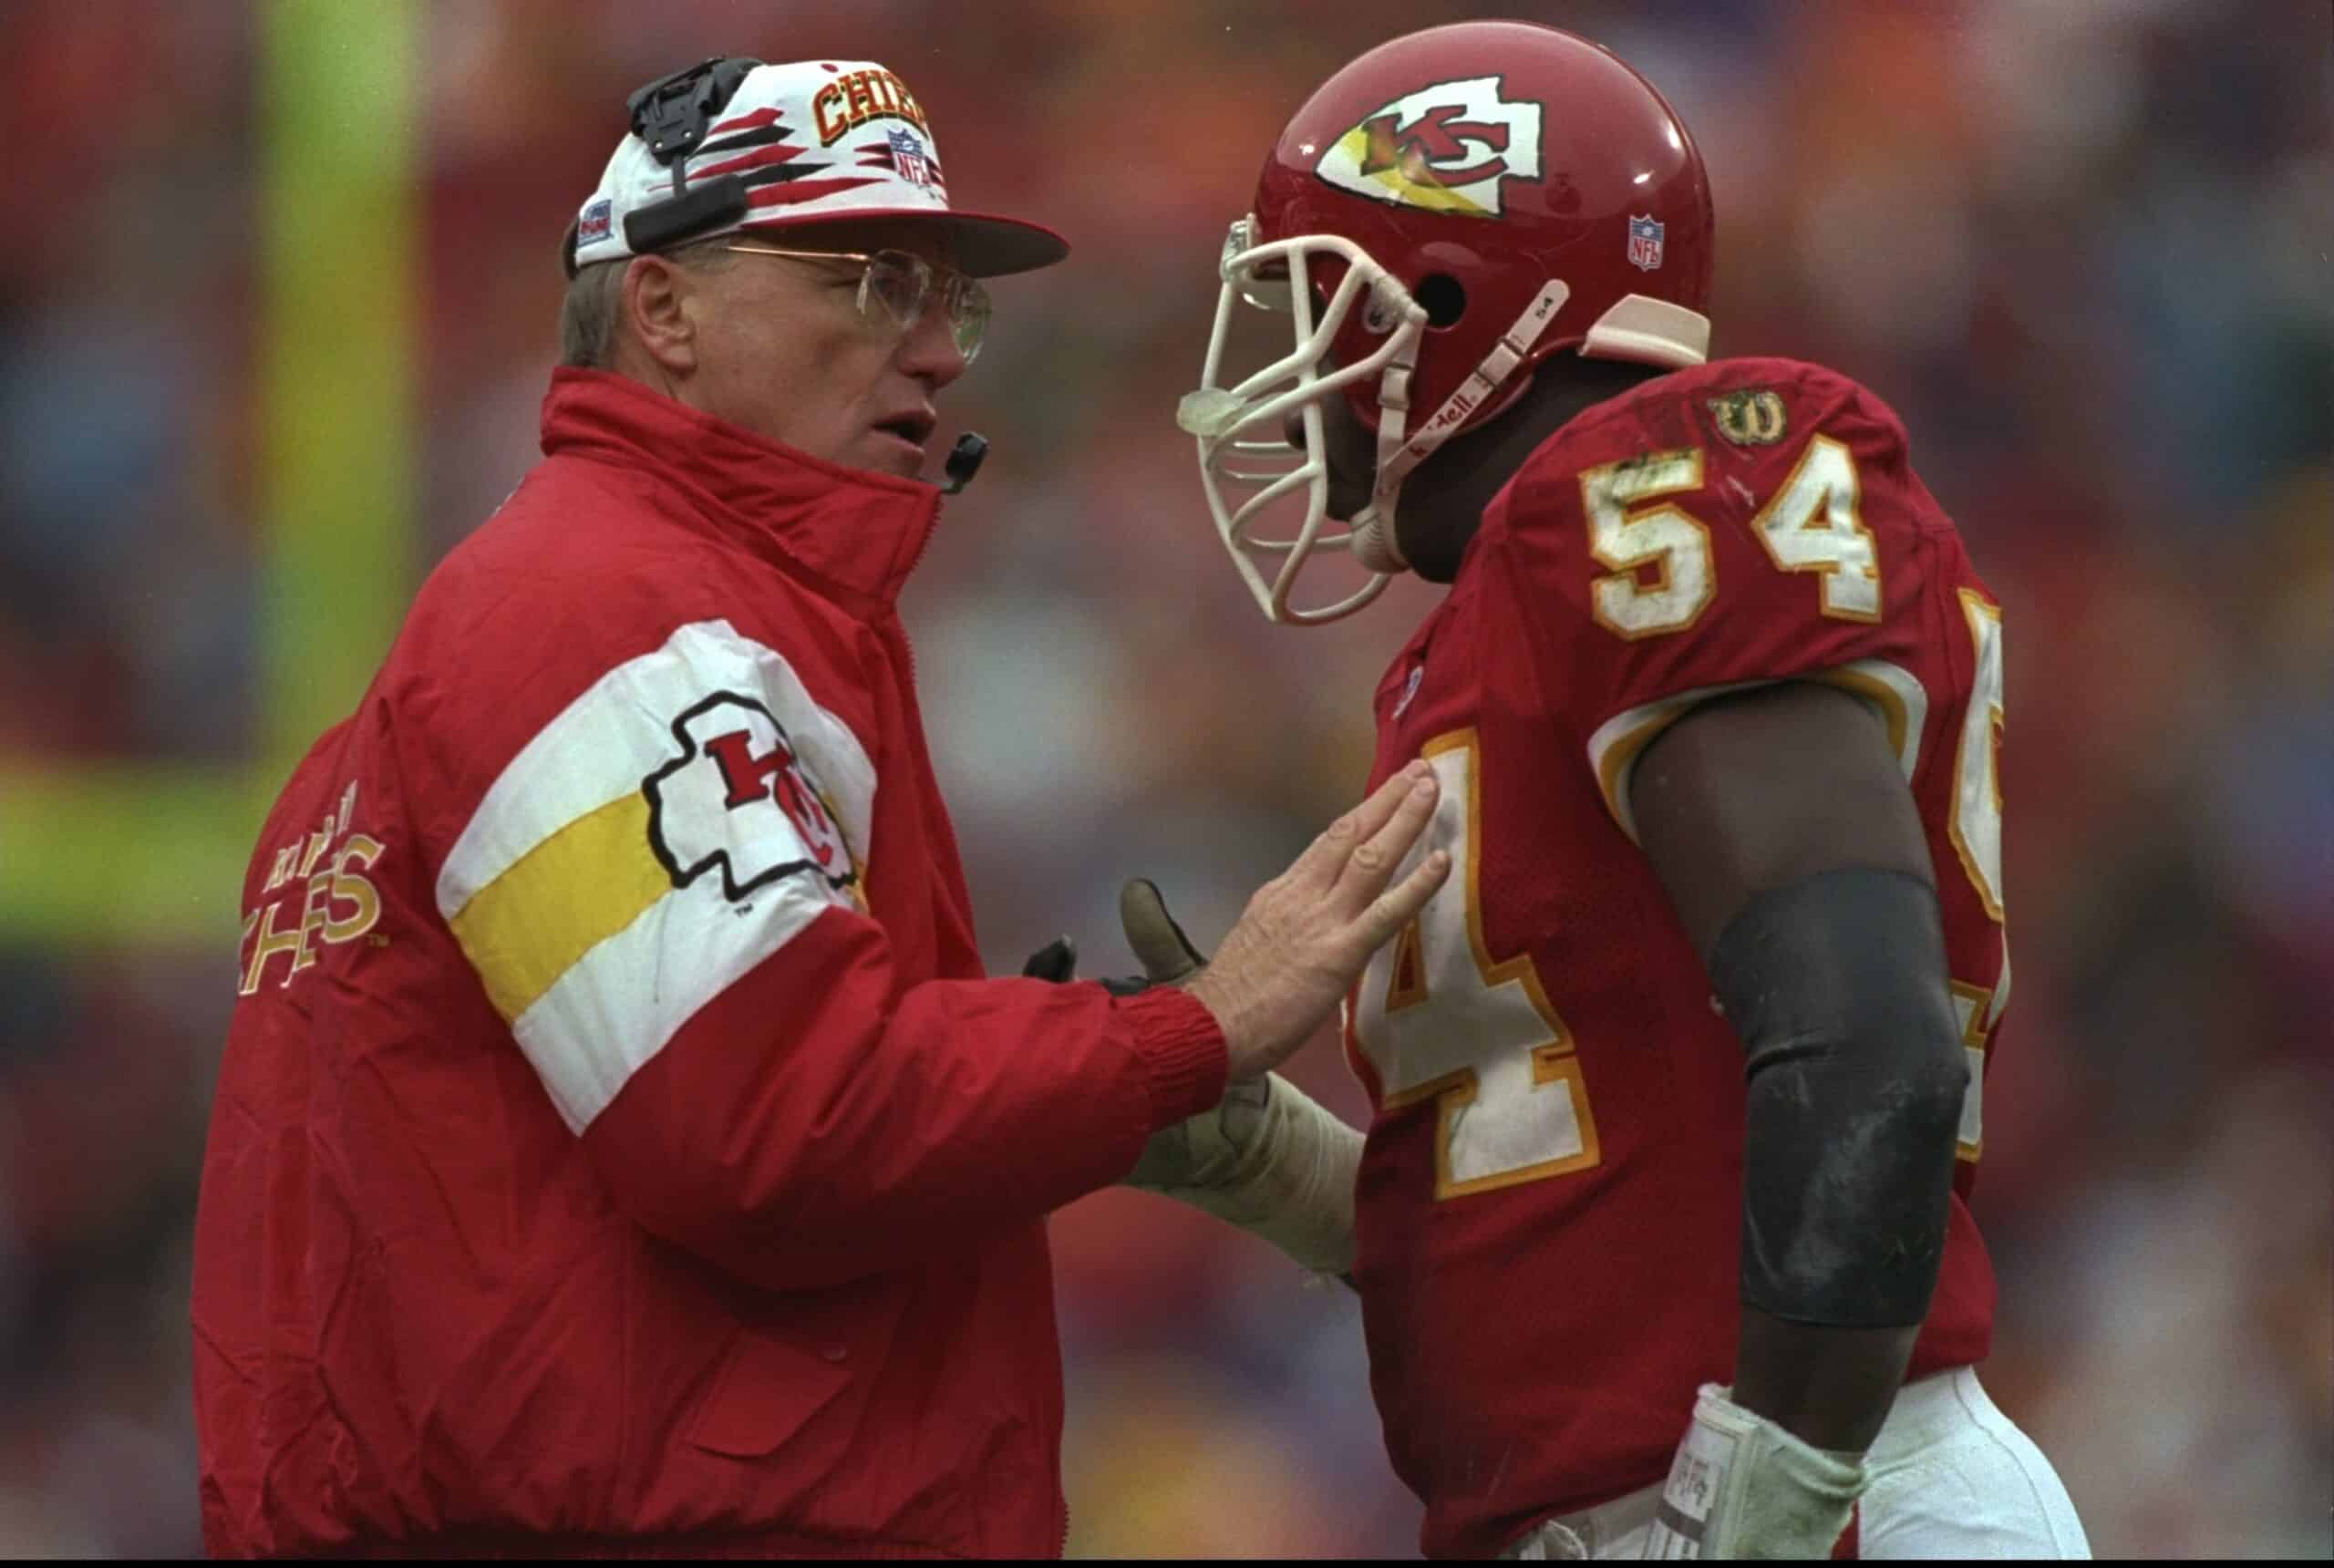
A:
x,y
910,429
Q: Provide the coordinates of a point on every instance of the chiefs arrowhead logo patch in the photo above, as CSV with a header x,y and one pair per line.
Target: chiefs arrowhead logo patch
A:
x,y
741,799
1445,147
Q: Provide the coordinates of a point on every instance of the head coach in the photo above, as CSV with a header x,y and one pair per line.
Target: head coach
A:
x,y
618,1149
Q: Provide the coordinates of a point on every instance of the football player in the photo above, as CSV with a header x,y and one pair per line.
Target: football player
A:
x,y
1677,1080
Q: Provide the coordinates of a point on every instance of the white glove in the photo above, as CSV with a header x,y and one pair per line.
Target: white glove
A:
x,y
1742,1486
1267,1158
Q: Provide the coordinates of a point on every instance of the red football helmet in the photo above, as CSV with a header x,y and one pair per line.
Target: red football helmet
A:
x,y
1442,214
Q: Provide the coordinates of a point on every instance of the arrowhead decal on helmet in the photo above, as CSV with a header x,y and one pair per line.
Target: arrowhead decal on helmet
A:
x,y
1445,147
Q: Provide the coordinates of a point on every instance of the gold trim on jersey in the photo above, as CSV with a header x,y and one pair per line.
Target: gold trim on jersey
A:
x,y
1976,608
1620,602
1893,690
1552,1061
1819,521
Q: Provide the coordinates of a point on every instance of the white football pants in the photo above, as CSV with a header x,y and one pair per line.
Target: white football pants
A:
x,y
1951,1477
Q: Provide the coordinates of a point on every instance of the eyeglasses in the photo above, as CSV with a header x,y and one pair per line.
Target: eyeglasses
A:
x,y
901,283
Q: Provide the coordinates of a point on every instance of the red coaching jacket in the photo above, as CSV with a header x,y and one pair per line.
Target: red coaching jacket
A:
x,y
617,1149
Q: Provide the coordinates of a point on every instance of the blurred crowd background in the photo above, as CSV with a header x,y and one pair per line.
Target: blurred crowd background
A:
x,y
2081,245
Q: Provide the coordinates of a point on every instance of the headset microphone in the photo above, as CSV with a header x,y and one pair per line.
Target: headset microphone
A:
x,y
964,462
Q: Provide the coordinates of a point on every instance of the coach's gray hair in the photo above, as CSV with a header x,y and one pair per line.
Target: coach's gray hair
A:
x,y
594,303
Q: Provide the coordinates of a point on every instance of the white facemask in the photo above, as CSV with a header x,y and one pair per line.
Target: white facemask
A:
x,y
1242,423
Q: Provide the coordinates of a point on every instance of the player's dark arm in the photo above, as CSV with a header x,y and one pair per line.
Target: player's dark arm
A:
x,y
1781,826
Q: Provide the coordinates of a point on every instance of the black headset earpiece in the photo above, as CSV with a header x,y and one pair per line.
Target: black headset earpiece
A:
x,y
673,113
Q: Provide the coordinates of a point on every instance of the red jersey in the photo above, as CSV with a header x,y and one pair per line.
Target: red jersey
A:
x,y
1550,1203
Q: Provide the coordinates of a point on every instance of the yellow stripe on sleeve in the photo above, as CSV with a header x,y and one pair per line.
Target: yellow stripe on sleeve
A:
x,y
564,897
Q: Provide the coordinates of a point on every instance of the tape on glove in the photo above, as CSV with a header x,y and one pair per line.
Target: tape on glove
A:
x,y
1742,1486
1268,1158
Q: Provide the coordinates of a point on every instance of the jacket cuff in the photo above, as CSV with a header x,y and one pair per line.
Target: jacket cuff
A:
x,y
1181,1047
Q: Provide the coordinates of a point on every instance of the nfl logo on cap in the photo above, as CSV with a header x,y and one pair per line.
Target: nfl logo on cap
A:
x,y
1644,242
908,158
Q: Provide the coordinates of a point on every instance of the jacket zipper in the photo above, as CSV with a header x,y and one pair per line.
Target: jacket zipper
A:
x,y
916,719
923,547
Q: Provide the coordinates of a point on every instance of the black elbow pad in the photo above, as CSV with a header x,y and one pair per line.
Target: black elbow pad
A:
x,y
1836,986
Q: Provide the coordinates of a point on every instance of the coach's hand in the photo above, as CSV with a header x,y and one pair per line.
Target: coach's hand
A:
x,y
1307,934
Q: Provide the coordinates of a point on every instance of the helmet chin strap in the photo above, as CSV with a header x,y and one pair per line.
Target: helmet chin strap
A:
x,y
1373,528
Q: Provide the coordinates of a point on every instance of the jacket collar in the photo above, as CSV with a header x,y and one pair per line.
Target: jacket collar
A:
x,y
861,532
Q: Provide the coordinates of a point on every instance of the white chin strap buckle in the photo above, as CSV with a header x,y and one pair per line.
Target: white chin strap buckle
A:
x,y
1374,545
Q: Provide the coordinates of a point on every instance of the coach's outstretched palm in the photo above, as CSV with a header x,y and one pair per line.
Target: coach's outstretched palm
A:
x,y
1305,935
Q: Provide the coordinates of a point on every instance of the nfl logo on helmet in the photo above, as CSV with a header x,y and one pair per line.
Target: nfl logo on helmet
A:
x,y
1644,242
